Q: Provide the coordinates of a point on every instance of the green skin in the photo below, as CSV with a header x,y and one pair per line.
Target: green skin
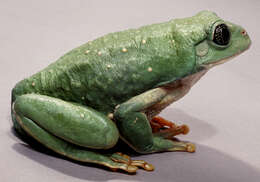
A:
x,y
112,86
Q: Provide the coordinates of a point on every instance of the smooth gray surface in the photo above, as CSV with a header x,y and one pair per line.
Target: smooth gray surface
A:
x,y
222,110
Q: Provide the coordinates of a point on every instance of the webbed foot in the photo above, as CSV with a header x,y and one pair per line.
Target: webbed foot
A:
x,y
131,165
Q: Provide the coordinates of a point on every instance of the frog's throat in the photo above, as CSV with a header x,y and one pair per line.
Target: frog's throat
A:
x,y
221,61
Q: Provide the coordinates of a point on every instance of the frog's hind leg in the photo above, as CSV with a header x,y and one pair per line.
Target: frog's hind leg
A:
x,y
43,117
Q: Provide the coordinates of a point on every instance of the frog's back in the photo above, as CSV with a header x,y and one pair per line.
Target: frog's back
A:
x,y
109,70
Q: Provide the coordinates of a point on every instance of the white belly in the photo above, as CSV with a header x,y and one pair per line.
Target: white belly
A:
x,y
175,91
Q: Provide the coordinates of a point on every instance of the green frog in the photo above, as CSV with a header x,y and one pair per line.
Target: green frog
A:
x,y
115,86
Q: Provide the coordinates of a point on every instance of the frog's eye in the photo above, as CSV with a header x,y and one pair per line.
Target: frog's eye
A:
x,y
221,35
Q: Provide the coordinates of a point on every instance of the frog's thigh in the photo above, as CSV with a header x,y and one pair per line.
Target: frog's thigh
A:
x,y
74,123
70,150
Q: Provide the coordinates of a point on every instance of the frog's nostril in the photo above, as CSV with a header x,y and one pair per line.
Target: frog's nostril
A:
x,y
243,32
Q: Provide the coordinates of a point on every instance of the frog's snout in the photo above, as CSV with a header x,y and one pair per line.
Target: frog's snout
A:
x,y
245,35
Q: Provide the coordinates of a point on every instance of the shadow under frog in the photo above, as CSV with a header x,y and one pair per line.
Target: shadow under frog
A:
x,y
206,165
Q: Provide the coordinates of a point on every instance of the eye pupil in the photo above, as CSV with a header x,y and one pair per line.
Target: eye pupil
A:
x,y
221,35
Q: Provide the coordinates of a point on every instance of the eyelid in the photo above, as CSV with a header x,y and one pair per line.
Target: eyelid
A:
x,y
214,24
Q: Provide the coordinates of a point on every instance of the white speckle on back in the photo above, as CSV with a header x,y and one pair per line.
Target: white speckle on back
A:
x,y
124,50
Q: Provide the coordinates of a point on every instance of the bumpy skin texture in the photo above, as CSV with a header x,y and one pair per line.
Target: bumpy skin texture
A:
x,y
107,76
130,76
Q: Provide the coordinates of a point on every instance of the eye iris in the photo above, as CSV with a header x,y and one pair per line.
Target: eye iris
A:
x,y
221,35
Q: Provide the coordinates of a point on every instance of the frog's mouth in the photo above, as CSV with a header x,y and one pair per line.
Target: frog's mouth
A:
x,y
221,61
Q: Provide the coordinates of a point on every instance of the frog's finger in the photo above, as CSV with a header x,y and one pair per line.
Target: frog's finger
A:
x,y
163,122
123,158
171,132
182,146
143,164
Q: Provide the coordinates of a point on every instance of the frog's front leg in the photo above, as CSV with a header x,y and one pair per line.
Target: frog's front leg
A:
x,y
70,129
167,129
135,128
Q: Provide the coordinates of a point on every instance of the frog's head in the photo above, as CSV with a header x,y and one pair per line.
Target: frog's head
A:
x,y
222,40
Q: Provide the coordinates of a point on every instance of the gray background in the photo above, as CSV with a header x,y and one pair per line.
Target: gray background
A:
x,y
222,109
